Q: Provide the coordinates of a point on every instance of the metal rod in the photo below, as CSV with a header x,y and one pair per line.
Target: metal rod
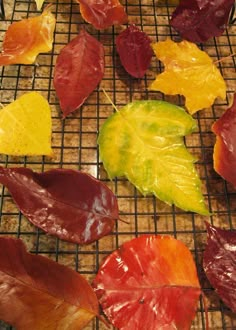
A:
x,y
2,12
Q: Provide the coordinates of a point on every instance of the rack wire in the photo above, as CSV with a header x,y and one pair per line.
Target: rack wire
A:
x,y
74,142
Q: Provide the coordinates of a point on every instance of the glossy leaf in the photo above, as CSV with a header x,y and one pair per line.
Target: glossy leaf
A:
x,y
133,46
25,39
219,263
65,203
144,142
103,13
38,293
25,126
78,71
200,20
189,72
225,147
150,282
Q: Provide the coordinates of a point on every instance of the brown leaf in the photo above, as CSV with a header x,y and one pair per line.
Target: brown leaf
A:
x,y
38,293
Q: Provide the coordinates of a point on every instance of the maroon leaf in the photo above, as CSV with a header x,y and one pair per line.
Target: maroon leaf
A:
x,y
78,71
219,263
66,203
225,147
199,20
38,293
134,50
150,282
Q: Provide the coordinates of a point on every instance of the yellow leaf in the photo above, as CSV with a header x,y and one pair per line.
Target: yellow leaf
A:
x,y
39,4
189,72
25,126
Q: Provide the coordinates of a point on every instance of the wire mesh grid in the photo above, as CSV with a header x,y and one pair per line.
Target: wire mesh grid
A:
x,y
74,142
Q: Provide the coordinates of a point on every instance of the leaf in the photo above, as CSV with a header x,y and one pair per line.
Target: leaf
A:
x,y
150,282
25,39
198,20
68,204
219,263
39,4
144,142
38,293
225,147
25,126
189,72
103,13
78,71
133,46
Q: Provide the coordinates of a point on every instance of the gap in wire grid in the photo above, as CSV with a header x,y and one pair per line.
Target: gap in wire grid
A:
x,y
75,146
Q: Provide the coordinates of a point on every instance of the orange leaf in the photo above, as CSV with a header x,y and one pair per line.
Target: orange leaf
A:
x,y
25,39
189,72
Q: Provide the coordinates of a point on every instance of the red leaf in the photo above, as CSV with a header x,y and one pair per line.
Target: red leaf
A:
x,y
199,20
225,148
149,283
134,50
219,262
103,13
38,293
65,203
78,71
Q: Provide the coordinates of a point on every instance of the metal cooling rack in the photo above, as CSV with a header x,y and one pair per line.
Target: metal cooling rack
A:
x,y
74,144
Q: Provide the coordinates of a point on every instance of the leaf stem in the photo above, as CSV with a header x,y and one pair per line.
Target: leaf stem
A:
x,y
224,58
110,100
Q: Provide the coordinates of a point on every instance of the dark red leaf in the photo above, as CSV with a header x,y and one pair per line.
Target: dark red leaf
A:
x,y
103,13
69,204
225,148
79,69
134,50
38,293
150,282
200,20
219,262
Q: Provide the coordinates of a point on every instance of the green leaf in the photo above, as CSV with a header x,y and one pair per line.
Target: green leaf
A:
x,y
144,142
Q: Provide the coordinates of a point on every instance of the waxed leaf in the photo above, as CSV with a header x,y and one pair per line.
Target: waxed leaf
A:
x,y
79,69
38,293
150,282
103,13
144,142
133,46
25,39
25,126
189,71
219,263
224,155
68,204
200,20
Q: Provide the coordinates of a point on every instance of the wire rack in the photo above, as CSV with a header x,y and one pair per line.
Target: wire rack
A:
x,y
74,142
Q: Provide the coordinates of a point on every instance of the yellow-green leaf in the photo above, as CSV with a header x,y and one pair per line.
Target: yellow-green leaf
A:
x,y
25,126
144,142
189,71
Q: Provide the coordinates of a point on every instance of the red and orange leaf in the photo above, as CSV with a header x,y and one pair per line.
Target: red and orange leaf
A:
x,y
68,204
150,282
25,39
103,14
38,293
78,71
225,147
